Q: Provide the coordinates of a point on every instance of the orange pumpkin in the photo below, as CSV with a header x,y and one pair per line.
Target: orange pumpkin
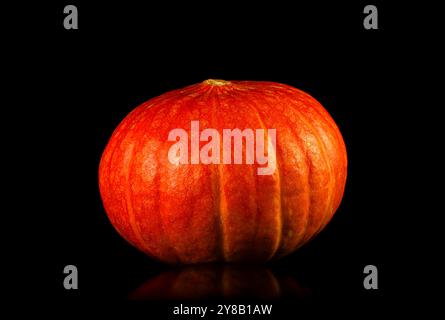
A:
x,y
201,212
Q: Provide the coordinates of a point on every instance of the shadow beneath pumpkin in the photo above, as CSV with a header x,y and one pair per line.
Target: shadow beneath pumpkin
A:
x,y
209,282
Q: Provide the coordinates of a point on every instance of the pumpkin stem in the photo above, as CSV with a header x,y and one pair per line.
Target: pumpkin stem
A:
x,y
216,82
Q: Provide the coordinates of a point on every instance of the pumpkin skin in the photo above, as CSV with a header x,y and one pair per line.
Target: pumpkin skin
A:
x,y
223,212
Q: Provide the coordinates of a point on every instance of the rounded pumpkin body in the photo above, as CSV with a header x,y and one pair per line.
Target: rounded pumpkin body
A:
x,y
197,212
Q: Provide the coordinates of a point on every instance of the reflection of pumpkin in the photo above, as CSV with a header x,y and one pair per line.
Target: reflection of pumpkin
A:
x,y
223,212
209,281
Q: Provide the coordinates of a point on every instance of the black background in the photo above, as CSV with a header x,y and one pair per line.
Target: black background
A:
x,y
124,54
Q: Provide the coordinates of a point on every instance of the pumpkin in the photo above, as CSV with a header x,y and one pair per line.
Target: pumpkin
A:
x,y
193,209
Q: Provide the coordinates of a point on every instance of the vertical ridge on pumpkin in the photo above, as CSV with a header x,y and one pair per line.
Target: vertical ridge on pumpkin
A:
x,y
239,205
337,165
170,246
180,214
323,151
279,215
216,185
251,176
145,129
121,136
315,107
146,126
322,130
129,196
289,216
311,132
